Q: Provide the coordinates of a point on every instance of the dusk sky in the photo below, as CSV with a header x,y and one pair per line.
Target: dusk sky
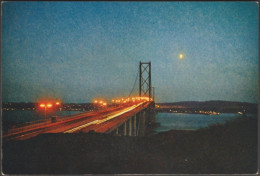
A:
x,y
78,51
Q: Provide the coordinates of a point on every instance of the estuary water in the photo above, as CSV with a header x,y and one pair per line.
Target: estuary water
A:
x,y
182,121
165,121
20,116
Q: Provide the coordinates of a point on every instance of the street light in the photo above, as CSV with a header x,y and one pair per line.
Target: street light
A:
x,y
58,106
45,106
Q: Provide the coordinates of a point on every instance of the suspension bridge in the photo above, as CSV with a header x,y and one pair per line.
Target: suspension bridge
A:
x,y
125,117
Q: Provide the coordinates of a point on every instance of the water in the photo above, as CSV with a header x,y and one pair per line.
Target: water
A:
x,y
182,121
20,116
167,121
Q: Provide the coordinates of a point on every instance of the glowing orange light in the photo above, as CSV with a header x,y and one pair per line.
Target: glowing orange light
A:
x,y
49,105
42,105
57,103
104,104
101,102
95,101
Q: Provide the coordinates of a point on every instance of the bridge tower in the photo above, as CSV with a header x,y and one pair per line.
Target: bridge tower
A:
x,y
145,84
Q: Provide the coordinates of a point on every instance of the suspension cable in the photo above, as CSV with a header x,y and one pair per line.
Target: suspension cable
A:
x,y
134,83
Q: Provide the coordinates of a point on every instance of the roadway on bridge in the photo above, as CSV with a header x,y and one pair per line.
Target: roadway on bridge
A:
x,y
100,121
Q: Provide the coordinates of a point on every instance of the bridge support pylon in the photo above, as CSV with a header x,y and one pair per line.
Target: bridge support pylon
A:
x,y
134,125
145,81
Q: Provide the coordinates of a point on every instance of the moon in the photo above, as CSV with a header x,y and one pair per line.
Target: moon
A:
x,y
181,56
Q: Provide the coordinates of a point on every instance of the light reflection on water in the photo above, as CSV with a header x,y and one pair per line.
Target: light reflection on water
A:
x,y
182,121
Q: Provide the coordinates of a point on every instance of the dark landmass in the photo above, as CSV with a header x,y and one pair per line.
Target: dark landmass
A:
x,y
77,106
219,149
34,106
18,106
215,106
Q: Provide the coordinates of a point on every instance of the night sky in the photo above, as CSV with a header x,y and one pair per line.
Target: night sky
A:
x,y
78,51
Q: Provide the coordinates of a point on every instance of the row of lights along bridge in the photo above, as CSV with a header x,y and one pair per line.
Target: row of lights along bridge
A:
x,y
50,106
122,101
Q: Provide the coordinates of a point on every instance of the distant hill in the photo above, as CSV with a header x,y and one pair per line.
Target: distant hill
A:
x,y
218,106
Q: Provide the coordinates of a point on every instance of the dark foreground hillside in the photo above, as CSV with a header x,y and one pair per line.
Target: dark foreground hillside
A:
x,y
230,148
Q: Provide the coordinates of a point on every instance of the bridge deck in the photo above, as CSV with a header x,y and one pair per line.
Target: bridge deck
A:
x,y
103,121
